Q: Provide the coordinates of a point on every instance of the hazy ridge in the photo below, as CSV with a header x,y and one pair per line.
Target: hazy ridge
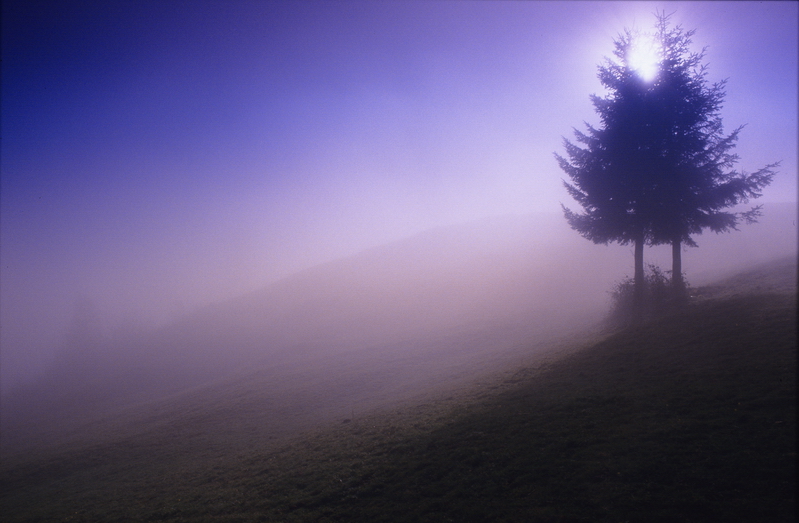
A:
x,y
687,418
436,308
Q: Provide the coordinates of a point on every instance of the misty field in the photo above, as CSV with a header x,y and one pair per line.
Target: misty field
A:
x,y
691,417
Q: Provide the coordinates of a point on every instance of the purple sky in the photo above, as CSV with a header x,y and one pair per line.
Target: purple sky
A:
x,y
157,156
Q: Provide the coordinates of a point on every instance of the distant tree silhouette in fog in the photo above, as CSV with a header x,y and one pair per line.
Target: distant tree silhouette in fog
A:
x,y
659,168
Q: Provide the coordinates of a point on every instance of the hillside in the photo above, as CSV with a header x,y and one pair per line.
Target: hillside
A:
x,y
689,418
445,298
418,314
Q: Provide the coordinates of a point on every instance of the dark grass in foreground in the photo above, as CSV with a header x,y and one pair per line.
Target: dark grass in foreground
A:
x,y
689,418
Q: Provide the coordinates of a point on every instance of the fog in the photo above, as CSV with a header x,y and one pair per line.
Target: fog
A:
x,y
190,197
512,269
439,307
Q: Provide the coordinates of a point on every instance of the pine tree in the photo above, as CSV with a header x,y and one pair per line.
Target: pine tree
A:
x,y
694,180
658,169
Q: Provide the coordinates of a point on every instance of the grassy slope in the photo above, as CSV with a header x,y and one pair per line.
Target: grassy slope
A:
x,y
691,418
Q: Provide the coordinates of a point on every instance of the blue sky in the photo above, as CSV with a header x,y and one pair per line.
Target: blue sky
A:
x,y
157,156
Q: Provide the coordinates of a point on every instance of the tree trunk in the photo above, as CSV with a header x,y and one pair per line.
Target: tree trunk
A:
x,y
638,293
677,283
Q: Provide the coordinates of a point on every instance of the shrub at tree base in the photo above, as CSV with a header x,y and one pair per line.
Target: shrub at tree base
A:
x,y
659,297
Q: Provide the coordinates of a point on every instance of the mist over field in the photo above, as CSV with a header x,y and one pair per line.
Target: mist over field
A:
x,y
422,314
324,207
304,261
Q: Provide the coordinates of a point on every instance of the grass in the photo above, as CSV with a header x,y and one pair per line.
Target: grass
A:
x,y
689,418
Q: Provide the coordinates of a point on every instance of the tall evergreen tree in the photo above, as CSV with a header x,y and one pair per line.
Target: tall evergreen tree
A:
x,y
611,175
695,182
658,169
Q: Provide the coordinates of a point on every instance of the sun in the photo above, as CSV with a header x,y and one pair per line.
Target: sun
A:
x,y
643,57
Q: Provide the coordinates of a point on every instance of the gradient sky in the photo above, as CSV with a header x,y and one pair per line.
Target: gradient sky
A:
x,y
157,156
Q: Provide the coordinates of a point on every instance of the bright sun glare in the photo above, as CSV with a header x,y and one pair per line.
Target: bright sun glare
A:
x,y
643,57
